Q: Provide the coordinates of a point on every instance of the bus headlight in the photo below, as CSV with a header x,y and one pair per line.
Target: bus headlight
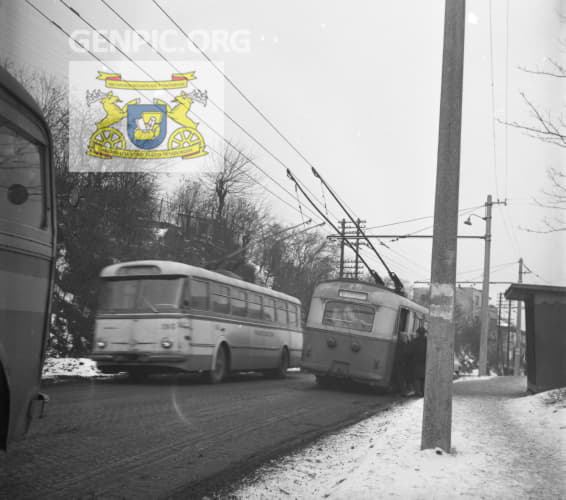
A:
x,y
166,343
101,344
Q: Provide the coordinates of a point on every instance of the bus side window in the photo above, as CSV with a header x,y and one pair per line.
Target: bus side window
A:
x,y
281,312
186,295
268,309
199,294
238,302
410,322
403,319
254,306
293,315
220,296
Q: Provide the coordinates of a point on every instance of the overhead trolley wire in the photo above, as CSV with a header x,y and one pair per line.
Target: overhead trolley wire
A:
x,y
396,281
373,273
233,85
492,76
342,204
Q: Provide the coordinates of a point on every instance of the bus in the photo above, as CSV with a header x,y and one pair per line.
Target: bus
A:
x,y
160,316
27,256
352,331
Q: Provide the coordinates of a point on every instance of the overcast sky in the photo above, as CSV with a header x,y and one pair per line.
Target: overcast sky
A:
x,y
355,87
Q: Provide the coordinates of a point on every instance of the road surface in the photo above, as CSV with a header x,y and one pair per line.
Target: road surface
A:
x,y
170,437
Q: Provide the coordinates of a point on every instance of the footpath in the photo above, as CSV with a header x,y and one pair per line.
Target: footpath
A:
x,y
506,444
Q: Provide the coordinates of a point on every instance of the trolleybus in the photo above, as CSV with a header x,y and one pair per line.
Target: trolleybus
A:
x,y
27,255
353,329
160,316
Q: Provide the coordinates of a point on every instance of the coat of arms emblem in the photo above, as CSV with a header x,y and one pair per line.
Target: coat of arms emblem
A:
x,y
156,129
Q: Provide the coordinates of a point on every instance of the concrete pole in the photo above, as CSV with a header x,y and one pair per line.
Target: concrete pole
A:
x,y
484,333
517,363
343,226
437,407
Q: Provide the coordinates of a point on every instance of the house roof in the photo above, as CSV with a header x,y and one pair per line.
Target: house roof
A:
x,y
524,291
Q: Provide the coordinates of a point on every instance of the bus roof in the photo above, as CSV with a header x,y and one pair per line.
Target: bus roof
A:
x,y
166,267
374,293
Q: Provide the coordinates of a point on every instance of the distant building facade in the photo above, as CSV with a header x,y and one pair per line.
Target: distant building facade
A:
x,y
468,301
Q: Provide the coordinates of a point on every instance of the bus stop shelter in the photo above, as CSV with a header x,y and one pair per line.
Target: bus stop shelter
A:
x,y
545,325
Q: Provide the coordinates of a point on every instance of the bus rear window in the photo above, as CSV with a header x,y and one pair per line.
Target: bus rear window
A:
x,y
140,295
348,315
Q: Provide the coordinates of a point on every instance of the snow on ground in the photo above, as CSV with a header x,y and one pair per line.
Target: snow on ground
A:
x,y
505,445
55,368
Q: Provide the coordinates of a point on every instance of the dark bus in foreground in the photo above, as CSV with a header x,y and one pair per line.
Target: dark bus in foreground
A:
x,y
27,256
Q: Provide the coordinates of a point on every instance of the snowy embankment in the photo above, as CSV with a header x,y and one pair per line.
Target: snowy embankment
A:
x,y
55,368
505,444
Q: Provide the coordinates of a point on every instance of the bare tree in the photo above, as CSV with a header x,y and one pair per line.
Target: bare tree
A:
x,y
550,127
232,178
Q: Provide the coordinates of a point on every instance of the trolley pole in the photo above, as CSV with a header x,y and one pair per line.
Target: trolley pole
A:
x,y
437,408
517,363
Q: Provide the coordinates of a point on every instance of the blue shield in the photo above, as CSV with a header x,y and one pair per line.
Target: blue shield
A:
x,y
147,124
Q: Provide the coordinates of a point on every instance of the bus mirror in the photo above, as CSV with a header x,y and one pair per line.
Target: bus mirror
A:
x,y
17,194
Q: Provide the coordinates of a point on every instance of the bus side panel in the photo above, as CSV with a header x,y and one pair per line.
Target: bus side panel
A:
x,y
295,348
356,357
24,296
205,337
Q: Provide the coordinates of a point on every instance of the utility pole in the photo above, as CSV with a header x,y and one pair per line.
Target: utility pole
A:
x,y
484,314
357,244
517,363
437,407
499,337
508,324
342,241
484,332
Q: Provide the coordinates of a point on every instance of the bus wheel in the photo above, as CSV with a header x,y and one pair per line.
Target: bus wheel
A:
x,y
220,370
281,371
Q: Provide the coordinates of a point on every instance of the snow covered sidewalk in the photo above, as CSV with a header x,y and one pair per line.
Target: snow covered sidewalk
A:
x,y
506,445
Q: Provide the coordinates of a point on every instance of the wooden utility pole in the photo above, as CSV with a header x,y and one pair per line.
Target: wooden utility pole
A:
x,y
517,363
437,408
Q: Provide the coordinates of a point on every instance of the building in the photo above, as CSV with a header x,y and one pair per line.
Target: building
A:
x,y
468,301
545,318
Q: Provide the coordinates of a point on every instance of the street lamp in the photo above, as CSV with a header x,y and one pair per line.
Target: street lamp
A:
x,y
468,221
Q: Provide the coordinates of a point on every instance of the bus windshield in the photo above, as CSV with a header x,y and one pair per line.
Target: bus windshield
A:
x,y
155,294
